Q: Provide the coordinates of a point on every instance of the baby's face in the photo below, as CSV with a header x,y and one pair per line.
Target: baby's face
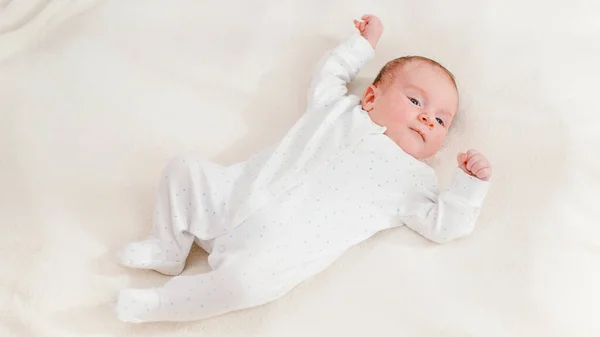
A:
x,y
417,108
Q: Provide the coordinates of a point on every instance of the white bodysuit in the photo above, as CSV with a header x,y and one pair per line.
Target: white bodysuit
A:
x,y
290,211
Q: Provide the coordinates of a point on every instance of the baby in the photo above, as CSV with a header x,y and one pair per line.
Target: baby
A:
x,y
348,169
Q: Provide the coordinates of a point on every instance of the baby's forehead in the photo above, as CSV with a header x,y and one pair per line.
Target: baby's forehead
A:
x,y
423,73
416,69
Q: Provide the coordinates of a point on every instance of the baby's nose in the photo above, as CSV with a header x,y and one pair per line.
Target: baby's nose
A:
x,y
426,121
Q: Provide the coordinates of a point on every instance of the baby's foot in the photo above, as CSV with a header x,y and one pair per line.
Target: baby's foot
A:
x,y
137,305
148,254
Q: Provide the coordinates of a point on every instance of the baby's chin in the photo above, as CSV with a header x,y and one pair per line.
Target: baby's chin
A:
x,y
418,149
412,143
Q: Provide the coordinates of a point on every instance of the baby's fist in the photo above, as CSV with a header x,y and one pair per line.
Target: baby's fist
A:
x,y
475,164
370,28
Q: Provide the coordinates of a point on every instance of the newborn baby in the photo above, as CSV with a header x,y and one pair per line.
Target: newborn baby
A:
x,y
348,169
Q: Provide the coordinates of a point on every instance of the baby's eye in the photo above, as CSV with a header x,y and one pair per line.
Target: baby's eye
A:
x,y
415,101
440,121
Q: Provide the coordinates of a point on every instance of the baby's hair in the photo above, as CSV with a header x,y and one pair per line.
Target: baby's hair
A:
x,y
387,74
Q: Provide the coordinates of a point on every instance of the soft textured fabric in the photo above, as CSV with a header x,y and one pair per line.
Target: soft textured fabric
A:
x,y
92,109
332,182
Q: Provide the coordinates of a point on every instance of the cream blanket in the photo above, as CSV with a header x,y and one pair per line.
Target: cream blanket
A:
x,y
96,96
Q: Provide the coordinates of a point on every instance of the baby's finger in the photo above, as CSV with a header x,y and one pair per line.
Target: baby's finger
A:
x,y
462,167
484,174
478,166
461,158
366,17
474,160
471,153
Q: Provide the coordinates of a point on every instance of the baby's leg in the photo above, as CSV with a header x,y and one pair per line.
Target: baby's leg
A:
x,y
187,298
190,202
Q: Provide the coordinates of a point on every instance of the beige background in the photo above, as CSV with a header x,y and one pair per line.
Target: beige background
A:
x,y
96,96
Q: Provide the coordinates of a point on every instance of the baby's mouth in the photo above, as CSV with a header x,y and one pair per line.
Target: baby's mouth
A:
x,y
419,132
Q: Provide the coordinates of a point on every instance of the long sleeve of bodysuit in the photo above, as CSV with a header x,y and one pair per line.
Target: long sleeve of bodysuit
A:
x,y
449,215
337,69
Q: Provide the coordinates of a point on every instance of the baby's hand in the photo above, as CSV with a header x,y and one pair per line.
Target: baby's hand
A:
x,y
475,164
370,28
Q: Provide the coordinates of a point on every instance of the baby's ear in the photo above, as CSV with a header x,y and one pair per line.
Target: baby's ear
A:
x,y
368,100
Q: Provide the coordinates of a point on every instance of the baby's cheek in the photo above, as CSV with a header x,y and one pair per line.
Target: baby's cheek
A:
x,y
438,139
396,116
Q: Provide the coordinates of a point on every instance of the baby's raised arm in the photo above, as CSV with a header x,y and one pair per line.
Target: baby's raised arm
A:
x,y
341,66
